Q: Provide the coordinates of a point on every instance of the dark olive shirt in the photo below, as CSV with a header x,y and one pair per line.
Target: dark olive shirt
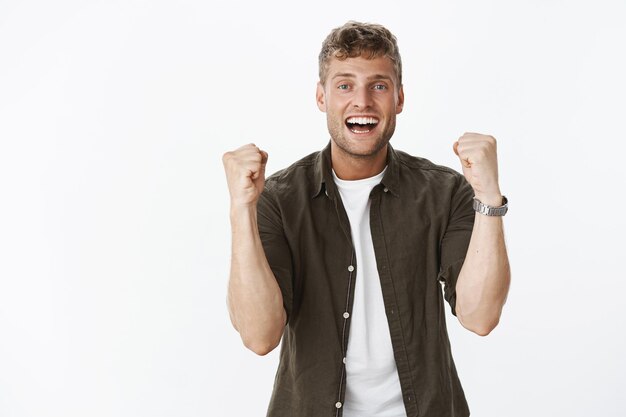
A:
x,y
421,220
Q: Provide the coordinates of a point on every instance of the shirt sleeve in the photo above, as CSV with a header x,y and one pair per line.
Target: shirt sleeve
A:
x,y
275,246
456,239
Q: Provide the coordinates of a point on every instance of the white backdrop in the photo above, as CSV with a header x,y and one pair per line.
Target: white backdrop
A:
x,y
114,234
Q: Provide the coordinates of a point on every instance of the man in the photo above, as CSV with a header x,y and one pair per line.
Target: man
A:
x,y
342,254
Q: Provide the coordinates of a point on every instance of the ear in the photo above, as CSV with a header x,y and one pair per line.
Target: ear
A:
x,y
320,97
400,101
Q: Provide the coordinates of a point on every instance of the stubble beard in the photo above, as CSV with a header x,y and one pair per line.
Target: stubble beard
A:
x,y
337,133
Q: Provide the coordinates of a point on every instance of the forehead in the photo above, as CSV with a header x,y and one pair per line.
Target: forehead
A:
x,y
360,67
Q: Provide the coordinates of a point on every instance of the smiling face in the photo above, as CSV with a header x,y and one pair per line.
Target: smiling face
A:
x,y
361,98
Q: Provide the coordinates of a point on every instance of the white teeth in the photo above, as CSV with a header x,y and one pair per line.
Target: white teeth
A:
x,y
359,131
363,120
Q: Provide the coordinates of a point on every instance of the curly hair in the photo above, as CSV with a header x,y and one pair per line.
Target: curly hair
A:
x,y
356,39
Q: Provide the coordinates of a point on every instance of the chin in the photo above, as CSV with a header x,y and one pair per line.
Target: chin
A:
x,y
361,150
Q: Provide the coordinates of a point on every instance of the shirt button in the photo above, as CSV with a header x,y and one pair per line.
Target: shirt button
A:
x,y
346,315
338,404
350,268
344,359
385,189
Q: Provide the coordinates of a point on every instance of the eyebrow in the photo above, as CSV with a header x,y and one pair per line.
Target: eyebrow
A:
x,y
371,77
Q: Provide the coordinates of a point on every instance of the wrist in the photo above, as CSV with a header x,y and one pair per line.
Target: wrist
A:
x,y
491,199
490,210
237,211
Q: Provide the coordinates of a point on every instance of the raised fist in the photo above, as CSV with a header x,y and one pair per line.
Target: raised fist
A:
x,y
245,174
478,155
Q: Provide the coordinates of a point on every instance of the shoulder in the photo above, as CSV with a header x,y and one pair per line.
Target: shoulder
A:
x,y
443,187
423,169
299,176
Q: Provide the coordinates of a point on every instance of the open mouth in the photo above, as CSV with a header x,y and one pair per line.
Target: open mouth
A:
x,y
361,125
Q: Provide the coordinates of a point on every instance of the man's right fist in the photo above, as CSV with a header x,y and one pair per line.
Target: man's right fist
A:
x,y
245,174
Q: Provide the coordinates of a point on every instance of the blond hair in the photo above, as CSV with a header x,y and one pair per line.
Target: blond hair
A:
x,y
356,39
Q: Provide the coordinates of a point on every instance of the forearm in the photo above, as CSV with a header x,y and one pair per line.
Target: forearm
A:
x,y
254,298
483,282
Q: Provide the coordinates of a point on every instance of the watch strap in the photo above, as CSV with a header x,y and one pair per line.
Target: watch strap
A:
x,y
491,210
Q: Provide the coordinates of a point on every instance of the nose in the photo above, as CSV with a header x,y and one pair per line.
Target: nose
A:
x,y
362,98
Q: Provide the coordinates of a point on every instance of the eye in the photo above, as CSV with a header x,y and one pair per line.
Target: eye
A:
x,y
343,86
380,87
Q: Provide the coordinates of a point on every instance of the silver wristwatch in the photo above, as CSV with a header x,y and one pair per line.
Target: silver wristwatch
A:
x,y
489,210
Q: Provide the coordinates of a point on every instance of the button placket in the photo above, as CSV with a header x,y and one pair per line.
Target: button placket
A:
x,y
346,316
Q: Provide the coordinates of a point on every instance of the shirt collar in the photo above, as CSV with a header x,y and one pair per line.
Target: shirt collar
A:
x,y
323,177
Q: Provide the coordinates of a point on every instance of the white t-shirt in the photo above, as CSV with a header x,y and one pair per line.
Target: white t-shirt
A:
x,y
372,384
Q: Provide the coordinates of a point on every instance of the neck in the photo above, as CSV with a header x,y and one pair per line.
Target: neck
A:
x,y
349,167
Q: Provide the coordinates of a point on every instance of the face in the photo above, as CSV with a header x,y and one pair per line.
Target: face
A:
x,y
361,98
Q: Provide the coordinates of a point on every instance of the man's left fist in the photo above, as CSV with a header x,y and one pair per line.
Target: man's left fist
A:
x,y
478,155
